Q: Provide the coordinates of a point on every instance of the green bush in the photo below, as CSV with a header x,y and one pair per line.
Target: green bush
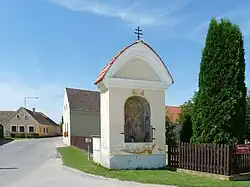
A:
x,y
23,135
185,120
186,130
169,131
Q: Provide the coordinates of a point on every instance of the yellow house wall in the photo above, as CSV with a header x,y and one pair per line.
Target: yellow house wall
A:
x,y
49,130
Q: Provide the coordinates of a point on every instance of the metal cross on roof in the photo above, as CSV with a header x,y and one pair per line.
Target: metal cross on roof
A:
x,y
138,32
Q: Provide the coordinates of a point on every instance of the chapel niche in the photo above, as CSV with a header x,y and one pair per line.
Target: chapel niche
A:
x,y
137,125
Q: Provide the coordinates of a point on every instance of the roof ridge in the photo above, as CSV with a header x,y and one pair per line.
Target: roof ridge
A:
x,y
38,115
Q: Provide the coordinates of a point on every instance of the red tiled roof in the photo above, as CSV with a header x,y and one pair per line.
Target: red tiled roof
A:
x,y
173,113
108,66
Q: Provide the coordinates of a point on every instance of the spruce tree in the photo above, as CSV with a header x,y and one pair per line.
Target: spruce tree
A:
x,y
220,106
61,122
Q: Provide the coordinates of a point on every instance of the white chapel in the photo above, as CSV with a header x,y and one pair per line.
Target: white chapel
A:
x,y
132,110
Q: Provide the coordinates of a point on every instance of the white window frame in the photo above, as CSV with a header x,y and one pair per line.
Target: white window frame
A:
x,y
13,126
29,128
19,128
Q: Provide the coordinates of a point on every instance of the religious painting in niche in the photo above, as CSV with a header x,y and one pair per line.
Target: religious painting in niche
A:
x,y
137,127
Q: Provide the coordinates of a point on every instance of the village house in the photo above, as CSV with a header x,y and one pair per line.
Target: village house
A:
x,y
27,123
127,114
4,115
81,114
173,113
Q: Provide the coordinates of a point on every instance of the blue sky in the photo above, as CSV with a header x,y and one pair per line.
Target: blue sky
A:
x,y
47,45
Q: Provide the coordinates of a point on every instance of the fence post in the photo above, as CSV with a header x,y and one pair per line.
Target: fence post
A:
x,y
180,155
169,155
195,157
88,141
229,160
88,152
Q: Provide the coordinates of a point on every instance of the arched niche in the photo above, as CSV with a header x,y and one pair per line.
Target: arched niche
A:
x,y
137,120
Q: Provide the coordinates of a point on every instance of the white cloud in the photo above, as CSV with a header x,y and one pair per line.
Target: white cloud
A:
x,y
135,13
50,95
238,16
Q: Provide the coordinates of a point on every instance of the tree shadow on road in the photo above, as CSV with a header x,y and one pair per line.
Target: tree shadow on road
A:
x,y
5,168
5,141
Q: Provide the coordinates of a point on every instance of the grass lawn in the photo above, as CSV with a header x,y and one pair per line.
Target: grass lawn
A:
x,y
78,159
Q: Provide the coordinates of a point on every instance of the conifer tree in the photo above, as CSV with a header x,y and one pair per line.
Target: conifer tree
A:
x,y
220,106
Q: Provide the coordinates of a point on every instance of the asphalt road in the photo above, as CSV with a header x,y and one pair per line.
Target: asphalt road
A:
x,y
35,163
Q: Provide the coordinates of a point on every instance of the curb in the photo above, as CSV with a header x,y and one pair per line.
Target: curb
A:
x,y
89,174
113,179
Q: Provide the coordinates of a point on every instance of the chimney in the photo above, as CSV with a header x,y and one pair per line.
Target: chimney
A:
x,y
34,110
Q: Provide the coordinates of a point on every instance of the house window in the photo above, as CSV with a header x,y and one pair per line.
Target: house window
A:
x,y
31,129
21,128
13,128
17,116
47,130
44,130
26,117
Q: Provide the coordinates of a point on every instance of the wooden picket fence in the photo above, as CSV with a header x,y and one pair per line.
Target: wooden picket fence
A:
x,y
212,158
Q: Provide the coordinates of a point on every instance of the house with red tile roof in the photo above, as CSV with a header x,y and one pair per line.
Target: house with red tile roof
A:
x,y
127,113
173,113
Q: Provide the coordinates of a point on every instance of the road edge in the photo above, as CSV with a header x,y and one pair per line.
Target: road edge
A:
x,y
13,141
